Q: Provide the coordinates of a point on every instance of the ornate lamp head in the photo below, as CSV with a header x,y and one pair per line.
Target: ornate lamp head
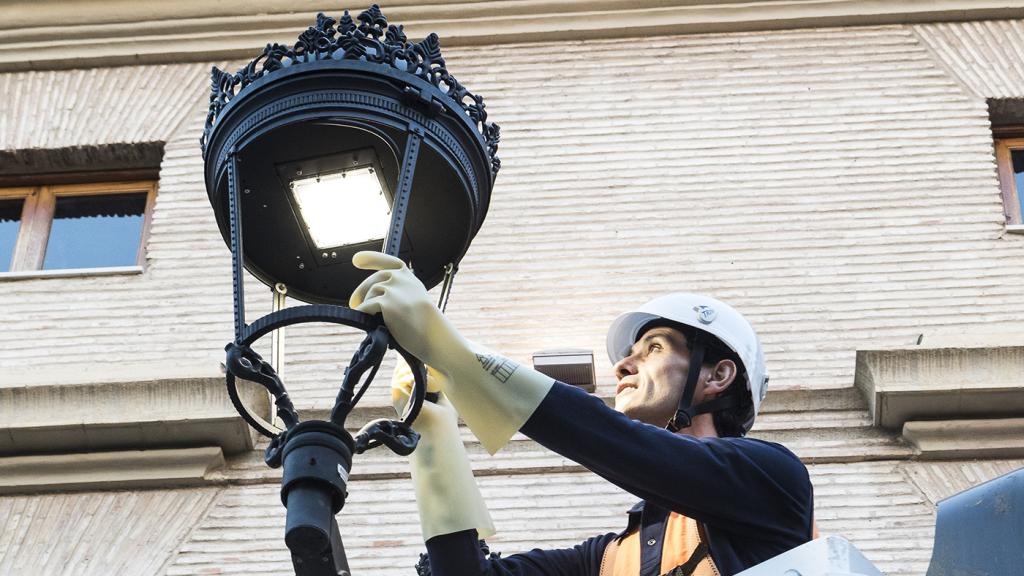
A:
x,y
342,105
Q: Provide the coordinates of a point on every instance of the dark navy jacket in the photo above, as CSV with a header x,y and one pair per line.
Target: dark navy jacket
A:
x,y
753,497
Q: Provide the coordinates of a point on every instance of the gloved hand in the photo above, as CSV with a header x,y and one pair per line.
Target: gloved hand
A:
x,y
409,313
446,492
494,395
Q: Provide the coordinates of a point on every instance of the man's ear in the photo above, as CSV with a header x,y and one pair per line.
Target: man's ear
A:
x,y
720,378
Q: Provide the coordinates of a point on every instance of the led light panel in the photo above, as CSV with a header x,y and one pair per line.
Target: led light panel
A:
x,y
343,208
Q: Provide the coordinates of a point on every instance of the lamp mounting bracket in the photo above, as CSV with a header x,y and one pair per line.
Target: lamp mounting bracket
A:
x,y
415,97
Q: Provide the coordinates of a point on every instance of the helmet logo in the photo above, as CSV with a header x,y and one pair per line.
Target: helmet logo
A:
x,y
706,314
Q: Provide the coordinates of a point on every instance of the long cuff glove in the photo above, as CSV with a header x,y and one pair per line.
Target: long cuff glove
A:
x,y
446,492
494,395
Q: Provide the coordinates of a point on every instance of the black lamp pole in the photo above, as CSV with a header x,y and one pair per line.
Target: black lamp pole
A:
x,y
353,115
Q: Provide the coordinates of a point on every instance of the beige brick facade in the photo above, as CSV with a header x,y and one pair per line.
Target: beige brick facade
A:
x,y
837,185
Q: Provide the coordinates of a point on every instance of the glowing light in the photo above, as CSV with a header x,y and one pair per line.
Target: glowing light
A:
x,y
343,208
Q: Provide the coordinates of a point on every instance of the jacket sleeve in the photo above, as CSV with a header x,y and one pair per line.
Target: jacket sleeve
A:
x,y
459,554
744,486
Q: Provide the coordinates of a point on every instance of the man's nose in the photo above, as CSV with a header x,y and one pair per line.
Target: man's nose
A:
x,y
624,367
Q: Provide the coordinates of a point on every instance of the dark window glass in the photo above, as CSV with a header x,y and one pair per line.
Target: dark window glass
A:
x,y
10,221
95,231
1018,177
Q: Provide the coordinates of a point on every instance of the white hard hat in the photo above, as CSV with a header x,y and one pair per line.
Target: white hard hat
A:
x,y
703,313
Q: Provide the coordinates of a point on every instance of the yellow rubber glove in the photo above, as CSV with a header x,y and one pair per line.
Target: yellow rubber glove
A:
x,y
494,395
446,492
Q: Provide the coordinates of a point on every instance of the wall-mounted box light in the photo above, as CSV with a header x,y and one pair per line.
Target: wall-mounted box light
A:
x,y
572,366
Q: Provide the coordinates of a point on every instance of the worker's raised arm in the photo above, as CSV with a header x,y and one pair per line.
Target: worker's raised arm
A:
x,y
493,395
446,492
744,486
452,512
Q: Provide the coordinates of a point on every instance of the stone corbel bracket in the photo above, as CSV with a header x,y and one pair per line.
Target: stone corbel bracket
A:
x,y
949,401
118,427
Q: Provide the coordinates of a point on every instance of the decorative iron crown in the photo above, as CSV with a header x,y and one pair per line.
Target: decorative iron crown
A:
x,y
372,40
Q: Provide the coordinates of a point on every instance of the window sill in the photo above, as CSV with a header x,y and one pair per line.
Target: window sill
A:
x,y
71,273
1015,228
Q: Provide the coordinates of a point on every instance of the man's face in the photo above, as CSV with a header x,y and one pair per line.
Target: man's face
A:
x,y
652,377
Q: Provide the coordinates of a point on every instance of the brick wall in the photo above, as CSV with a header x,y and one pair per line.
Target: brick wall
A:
x,y
837,186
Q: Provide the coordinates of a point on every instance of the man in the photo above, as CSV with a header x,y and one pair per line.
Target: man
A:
x,y
691,377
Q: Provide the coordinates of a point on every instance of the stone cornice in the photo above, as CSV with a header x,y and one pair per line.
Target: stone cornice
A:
x,y
105,470
954,396
966,439
37,35
979,380
141,407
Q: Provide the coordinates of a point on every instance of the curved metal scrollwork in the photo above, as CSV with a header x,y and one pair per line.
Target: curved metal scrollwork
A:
x,y
243,362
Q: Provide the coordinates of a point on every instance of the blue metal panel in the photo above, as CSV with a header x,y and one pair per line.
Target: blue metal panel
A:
x,y
980,531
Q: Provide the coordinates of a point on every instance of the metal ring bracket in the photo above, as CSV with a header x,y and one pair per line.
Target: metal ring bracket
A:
x,y
328,314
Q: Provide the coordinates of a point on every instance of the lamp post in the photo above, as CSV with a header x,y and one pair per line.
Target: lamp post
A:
x,y
352,139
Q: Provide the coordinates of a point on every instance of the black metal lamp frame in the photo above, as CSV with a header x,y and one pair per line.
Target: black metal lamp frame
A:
x,y
243,362
317,455
368,79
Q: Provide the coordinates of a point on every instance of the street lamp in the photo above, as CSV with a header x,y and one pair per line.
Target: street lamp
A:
x,y
352,139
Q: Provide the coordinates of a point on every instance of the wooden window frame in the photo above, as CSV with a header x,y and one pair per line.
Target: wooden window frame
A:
x,y
37,217
1005,142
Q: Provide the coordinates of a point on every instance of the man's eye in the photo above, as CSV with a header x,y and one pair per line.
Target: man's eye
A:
x,y
653,347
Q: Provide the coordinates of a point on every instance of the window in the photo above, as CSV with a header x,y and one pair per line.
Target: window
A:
x,y
1010,160
74,226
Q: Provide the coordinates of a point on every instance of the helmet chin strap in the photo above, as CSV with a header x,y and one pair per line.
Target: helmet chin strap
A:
x,y
685,412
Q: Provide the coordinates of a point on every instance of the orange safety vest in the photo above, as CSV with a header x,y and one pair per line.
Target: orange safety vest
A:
x,y
683,537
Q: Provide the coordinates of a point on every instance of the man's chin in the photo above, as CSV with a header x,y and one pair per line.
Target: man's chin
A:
x,y
636,412
620,406
623,405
